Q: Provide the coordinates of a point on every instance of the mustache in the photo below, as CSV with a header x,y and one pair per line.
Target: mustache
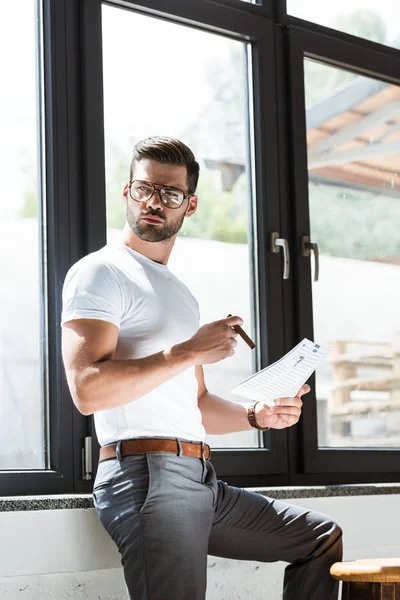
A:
x,y
151,213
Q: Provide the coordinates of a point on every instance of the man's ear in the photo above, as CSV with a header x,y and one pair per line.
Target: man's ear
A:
x,y
192,205
125,193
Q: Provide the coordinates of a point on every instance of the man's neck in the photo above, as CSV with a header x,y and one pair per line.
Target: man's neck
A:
x,y
157,251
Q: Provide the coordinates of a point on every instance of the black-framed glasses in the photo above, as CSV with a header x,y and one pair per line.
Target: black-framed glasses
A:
x,y
142,191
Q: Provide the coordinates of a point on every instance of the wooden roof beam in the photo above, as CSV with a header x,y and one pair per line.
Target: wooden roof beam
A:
x,y
354,155
350,132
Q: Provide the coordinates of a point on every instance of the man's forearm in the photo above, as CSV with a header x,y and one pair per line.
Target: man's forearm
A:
x,y
222,416
110,383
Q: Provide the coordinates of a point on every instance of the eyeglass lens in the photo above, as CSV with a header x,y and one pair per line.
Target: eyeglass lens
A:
x,y
171,197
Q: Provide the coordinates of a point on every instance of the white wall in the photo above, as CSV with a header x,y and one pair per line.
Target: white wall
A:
x,y
62,554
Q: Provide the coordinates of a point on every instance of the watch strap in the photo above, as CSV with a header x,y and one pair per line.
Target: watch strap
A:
x,y
252,417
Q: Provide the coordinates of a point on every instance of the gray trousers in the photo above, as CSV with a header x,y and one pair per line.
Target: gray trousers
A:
x,y
166,513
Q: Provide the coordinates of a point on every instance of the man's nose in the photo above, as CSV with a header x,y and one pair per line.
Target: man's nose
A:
x,y
155,201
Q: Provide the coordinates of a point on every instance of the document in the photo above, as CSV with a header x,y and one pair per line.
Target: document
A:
x,y
285,377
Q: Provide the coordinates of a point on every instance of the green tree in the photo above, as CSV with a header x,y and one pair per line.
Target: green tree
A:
x,y
365,24
321,80
116,178
352,223
29,209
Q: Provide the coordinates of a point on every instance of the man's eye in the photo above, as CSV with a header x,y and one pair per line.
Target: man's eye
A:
x,y
143,188
171,194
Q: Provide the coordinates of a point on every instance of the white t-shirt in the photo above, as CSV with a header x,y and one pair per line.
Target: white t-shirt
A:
x,y
154,310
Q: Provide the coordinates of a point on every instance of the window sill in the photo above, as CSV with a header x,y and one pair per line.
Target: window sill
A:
x,y
79,501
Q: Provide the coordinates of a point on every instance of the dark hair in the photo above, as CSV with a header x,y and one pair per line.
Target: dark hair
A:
x,y
167,150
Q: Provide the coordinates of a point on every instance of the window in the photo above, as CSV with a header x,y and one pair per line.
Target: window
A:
x,y
345,106
22,397
353,134
363,18
207,109
296,132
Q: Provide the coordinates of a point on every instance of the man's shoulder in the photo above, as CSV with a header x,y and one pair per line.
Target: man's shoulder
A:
x,y
109,258
110,255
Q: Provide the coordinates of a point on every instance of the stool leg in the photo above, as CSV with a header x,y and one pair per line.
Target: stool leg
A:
x,y
370,591
390,591
363,591
345,590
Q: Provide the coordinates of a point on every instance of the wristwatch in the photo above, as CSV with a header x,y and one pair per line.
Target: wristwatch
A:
x,y
252,417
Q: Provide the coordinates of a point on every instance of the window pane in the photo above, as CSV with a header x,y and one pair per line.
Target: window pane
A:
x,y
21,387
191,96
353,133
365,18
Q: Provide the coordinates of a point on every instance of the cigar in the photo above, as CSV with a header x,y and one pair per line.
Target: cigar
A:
x,y
243,335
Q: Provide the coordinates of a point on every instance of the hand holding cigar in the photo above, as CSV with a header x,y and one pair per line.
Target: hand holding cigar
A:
x,y
243,335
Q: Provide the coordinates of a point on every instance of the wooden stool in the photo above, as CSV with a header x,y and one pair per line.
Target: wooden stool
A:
x,y
369,579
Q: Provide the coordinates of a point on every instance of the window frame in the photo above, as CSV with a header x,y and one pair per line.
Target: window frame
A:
x,y
58,185
327,465
264,7
250,466
74,187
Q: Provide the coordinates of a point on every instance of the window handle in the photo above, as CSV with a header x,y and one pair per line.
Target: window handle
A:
x,y
305,249
276,244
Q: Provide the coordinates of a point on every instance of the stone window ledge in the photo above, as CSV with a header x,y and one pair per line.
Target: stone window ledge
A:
x,y
62,501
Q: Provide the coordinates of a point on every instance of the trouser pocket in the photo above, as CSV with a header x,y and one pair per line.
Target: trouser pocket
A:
x,y
210,480
121,489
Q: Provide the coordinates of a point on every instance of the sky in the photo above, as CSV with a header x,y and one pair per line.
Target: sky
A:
x,y
154,72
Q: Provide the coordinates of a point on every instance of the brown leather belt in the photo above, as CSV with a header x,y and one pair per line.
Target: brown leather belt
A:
x,y
140,446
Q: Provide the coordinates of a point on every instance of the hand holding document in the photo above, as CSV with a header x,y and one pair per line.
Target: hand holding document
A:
x,y
285,377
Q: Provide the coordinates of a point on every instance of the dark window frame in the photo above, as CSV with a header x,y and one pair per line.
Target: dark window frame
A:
x,y
268,465
327,465
59,181
75,214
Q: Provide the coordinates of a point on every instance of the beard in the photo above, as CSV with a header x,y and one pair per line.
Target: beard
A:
x,y
153,233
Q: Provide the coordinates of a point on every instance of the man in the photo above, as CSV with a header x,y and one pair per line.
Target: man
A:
x,y
133,354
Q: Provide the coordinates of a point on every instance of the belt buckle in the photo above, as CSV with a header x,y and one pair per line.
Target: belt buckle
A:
x,y
202,452
118,450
